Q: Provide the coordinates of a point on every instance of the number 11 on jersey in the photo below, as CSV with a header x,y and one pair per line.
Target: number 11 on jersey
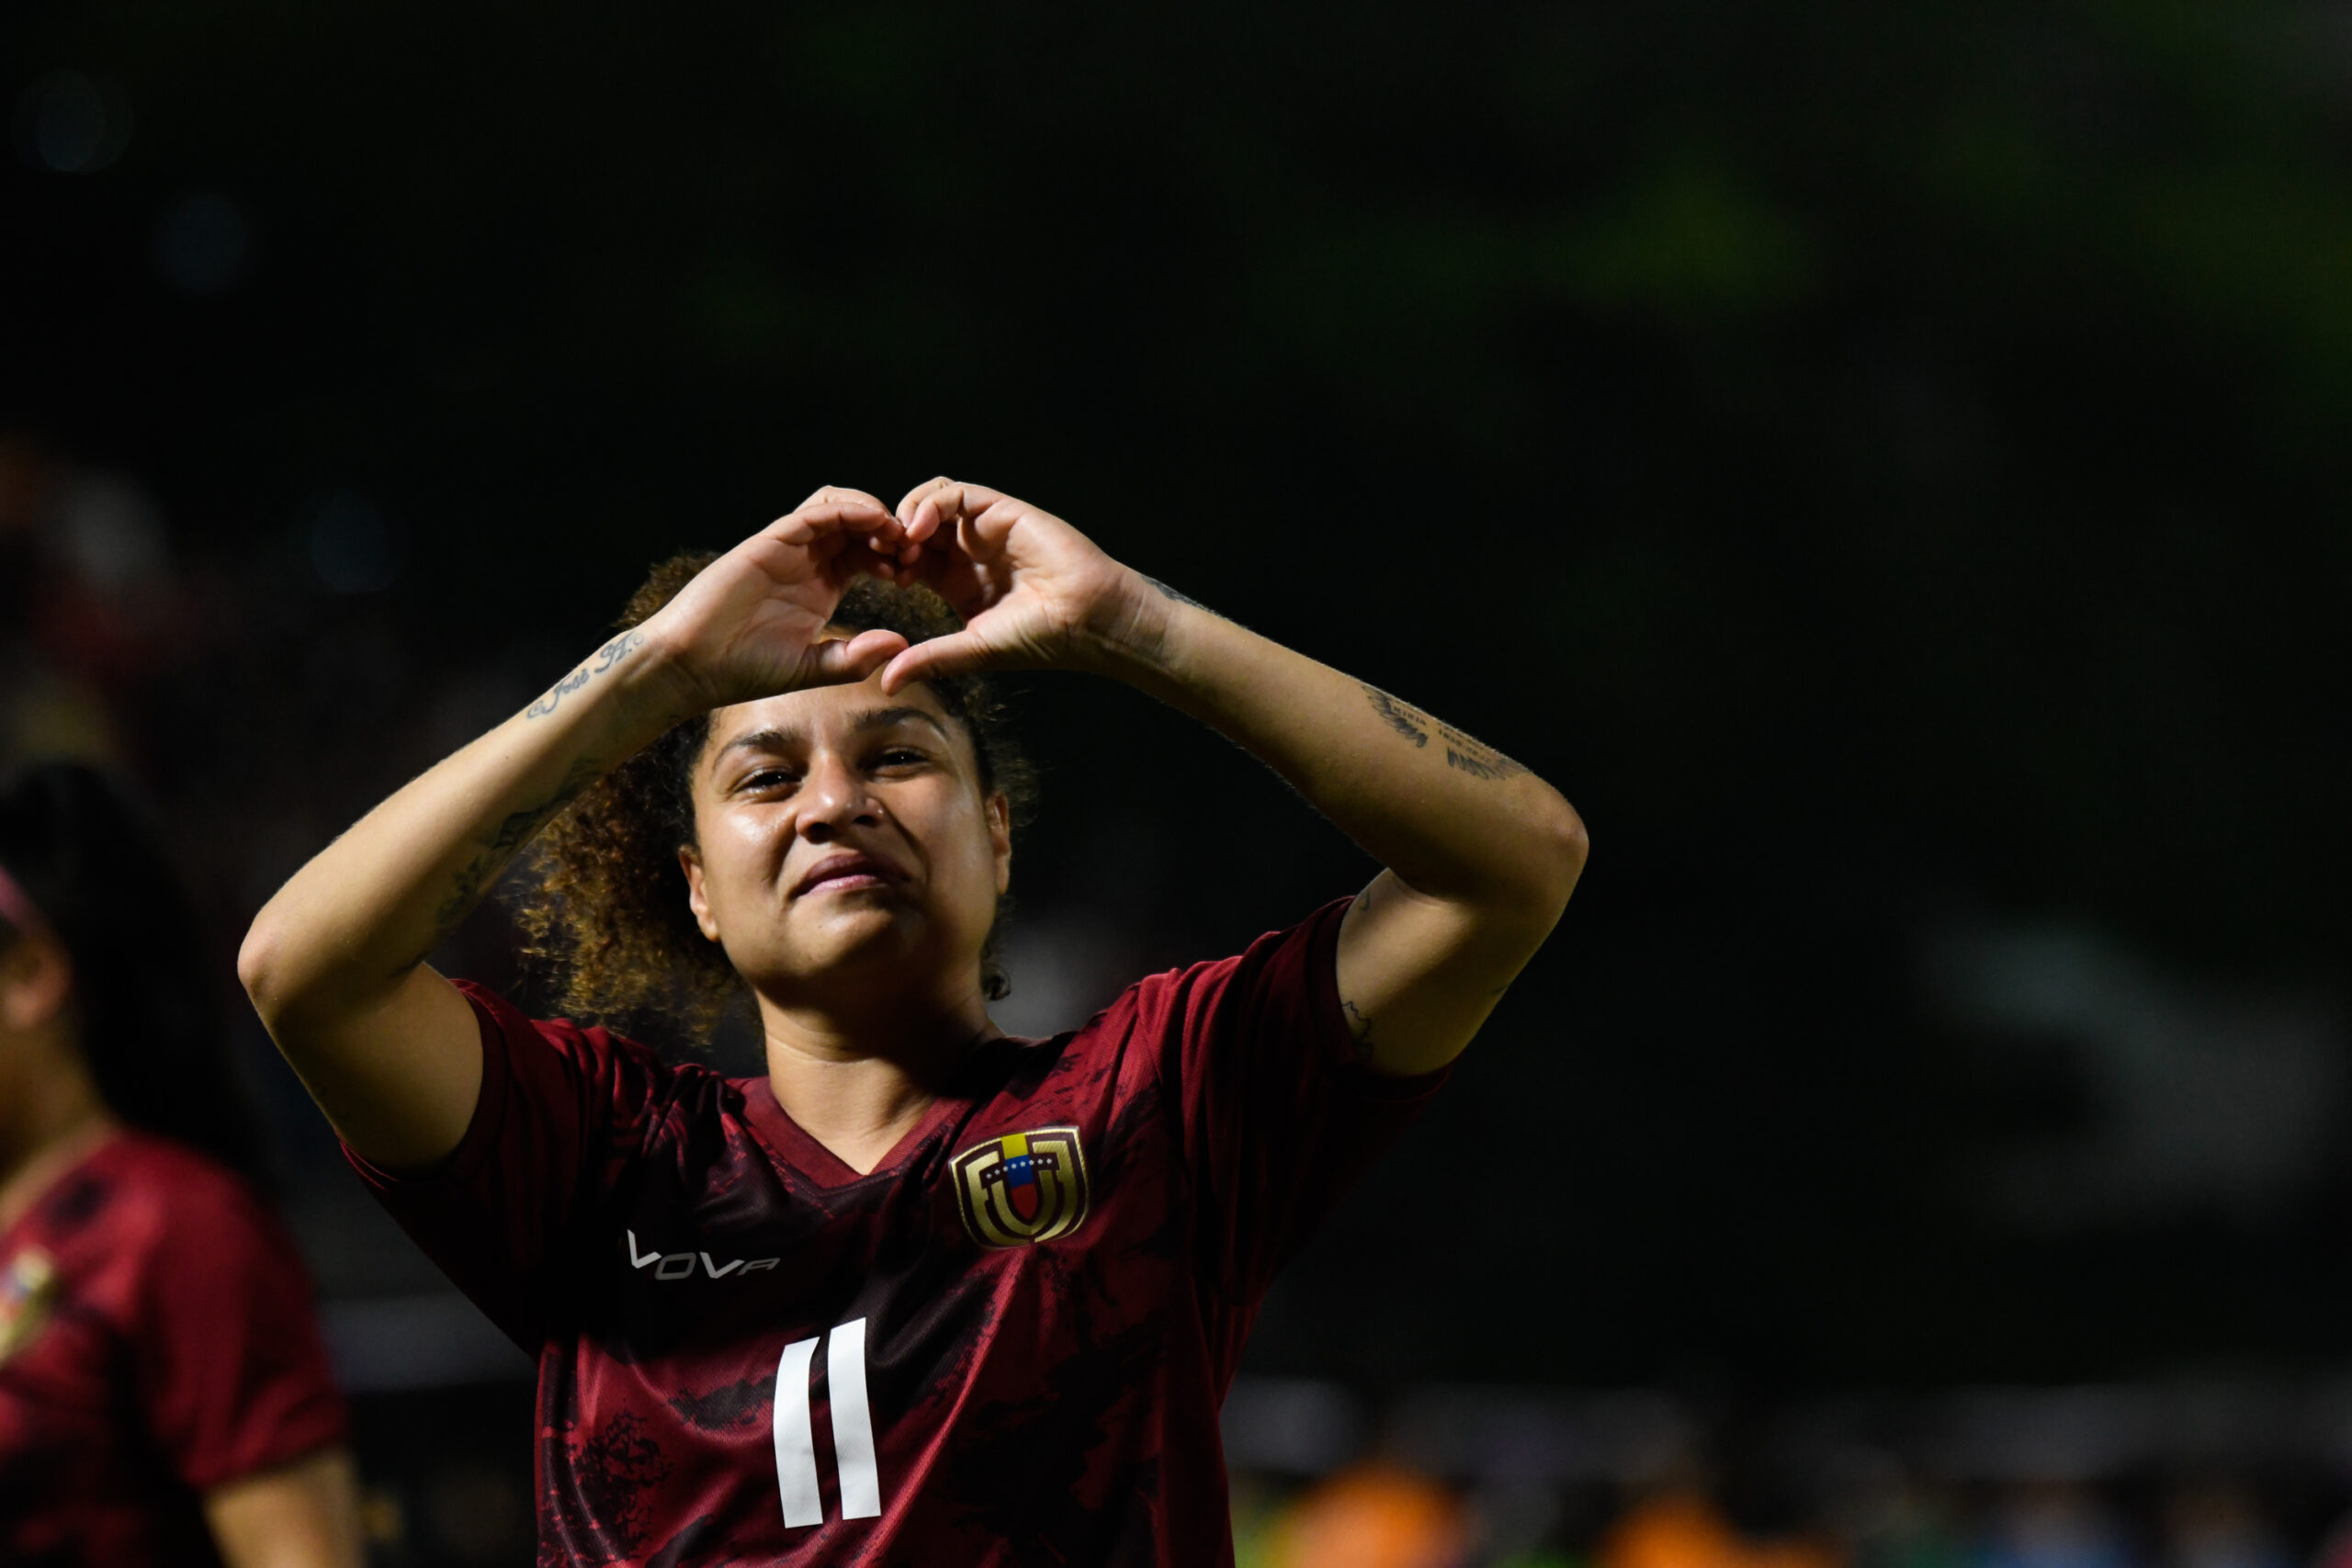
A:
x,y
796,1438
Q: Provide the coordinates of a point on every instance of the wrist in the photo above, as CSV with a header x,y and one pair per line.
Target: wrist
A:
x,y
1133,636
654,685
620,697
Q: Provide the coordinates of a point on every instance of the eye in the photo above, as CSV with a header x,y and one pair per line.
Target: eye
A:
x,y
900,757
767,779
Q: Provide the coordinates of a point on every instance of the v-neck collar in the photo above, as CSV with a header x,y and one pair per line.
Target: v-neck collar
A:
x,y
793,1145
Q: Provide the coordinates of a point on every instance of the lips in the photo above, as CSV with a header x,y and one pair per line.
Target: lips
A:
x,y
847,872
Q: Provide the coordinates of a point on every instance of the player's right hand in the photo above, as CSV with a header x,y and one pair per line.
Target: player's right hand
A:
x,y
752,622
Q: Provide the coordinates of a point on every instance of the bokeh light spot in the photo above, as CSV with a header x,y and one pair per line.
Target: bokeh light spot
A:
x,y
111,532
202,243
356,544
69,123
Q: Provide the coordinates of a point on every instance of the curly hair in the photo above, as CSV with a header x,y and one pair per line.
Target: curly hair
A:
x,y
605,913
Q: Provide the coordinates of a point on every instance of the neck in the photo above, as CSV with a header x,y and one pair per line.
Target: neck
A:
x,y
51,1116
857,1085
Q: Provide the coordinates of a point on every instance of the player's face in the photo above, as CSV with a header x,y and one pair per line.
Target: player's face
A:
x,y
844,842
36,986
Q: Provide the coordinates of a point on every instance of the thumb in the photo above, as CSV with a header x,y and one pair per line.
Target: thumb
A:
x,y
958,653
833,662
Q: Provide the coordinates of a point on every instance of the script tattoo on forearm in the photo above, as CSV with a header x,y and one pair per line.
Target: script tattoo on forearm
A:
x,y
497,847
1476,757
611,653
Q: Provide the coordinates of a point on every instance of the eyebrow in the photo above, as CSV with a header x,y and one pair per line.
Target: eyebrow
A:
x,y
864,723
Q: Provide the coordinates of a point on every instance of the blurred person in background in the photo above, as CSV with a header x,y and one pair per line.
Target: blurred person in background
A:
x,y
1891,1518
2218,1522
1681,1526
165,1395
1029,1266
1371,1516
2055,1524
92,606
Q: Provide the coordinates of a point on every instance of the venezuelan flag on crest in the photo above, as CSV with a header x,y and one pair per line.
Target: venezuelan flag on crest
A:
x,y
1022,1188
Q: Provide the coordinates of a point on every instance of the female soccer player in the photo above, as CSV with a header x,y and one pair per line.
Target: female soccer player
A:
x,y
925,1294
163,1395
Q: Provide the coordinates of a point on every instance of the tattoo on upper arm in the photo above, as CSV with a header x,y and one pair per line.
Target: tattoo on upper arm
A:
x,y
1360,1028
611,653
1476,757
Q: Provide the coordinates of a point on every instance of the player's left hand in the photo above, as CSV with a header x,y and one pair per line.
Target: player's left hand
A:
x,y
1033,591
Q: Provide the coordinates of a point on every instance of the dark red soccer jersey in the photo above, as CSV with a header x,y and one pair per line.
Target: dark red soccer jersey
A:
x,y
1006,1345
156,1340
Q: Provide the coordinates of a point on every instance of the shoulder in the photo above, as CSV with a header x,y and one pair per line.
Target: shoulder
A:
x,y
161,1209
631,1071
1290,960
1159,1028
143,1175
589,1044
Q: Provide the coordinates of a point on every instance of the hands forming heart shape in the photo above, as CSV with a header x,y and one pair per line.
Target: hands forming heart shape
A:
x,y
1034,594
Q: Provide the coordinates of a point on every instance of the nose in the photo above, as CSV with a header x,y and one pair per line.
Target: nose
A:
x,y
834,796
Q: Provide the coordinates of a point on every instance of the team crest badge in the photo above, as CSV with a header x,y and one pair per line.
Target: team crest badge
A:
x,y
1022,1188
28,1291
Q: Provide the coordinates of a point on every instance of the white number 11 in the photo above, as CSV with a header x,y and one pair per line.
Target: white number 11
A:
x,y
796,1442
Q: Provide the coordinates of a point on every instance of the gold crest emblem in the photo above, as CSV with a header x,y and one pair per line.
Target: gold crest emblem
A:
x,y
1022,1188
28,1291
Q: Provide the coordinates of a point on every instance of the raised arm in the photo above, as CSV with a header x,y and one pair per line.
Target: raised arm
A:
x,y
1480,854
335,963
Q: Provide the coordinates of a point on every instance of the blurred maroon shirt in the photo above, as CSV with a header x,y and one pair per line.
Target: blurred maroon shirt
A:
x,y
157,1341
1007,1343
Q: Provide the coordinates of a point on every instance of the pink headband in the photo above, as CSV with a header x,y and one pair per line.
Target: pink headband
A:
x,y
16,907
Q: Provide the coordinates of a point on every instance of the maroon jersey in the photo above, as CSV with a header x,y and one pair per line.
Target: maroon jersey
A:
x,y
156,1341
1006,1345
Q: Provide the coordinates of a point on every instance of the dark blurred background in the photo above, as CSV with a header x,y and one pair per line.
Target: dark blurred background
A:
x,y
1883,462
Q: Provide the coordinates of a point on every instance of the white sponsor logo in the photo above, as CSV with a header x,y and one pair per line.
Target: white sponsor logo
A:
x,y
680,1265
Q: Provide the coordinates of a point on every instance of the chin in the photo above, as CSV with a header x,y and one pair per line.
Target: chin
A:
x,y
865,943
855,942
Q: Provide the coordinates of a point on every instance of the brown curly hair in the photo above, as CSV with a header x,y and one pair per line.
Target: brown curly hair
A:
x,y
604,911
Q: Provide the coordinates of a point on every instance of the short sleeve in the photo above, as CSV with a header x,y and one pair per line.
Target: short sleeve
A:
x,y
560,1108
1277,1121
231,1368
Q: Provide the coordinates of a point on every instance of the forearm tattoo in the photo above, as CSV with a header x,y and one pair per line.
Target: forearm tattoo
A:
x,y
611,653
1476,757
499,846
1406,721
1168,592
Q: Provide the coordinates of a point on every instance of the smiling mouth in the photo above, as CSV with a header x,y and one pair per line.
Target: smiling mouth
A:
x,y
848,874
